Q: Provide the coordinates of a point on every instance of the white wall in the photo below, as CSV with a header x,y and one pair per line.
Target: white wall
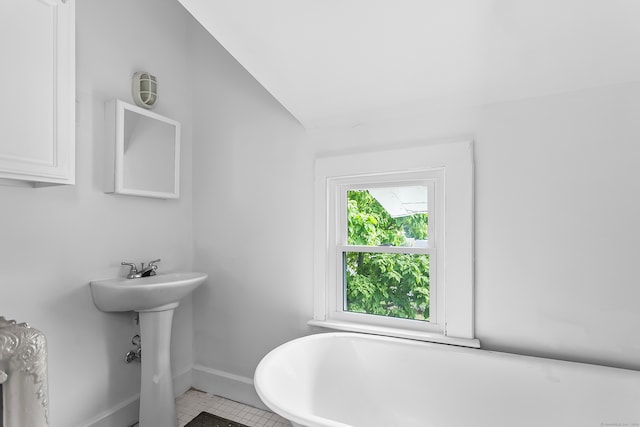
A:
x,y
558,180
252,219
56,239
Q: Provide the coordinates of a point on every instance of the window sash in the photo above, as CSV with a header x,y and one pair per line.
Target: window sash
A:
x,y
430,181
337,311
433,180
410,250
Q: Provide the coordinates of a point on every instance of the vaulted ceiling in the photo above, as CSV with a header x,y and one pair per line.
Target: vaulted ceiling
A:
x,y
349,62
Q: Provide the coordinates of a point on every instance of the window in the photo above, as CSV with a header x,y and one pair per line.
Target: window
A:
x,y
386,251
385,263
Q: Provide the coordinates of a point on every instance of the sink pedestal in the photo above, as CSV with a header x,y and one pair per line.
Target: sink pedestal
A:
x,y
157,403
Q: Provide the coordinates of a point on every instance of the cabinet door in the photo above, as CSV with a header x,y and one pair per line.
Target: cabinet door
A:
x,y
37,90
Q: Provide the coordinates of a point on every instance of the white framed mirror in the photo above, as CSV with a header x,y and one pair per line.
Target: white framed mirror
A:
x,y
143,152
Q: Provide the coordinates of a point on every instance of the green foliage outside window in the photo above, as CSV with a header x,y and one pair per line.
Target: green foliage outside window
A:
x,y
394,285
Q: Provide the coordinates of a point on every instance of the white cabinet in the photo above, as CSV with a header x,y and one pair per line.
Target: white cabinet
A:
x,y
37,91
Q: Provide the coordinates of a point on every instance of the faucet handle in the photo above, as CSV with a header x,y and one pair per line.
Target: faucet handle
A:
x,y
132,271
150,270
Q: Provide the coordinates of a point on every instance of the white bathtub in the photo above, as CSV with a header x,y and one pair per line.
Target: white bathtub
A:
x,y
345,379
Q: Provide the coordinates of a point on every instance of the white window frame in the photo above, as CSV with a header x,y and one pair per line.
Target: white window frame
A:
x,y
337,232
448,169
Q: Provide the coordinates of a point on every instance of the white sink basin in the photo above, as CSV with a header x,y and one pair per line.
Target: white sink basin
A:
x,y
162,291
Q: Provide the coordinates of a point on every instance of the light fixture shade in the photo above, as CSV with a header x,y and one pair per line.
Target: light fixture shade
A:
x,y
144,89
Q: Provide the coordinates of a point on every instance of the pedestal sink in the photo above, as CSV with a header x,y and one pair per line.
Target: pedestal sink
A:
x,y
154,298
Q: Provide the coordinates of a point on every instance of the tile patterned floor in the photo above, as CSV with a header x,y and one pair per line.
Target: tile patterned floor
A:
x,y
193,402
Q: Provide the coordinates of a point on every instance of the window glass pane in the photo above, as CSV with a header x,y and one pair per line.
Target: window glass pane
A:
x,y
393,285
389,216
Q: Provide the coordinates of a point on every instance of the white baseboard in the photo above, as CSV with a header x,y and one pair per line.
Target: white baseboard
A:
x,y
124,413
227,385
182,382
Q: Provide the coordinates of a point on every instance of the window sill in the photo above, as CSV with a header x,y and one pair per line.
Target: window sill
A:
x,y
392,332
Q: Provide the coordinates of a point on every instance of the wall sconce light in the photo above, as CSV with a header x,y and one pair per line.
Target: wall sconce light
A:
x,y
144,89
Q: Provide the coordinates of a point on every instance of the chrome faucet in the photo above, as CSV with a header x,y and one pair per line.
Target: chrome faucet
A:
x,y
149,270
